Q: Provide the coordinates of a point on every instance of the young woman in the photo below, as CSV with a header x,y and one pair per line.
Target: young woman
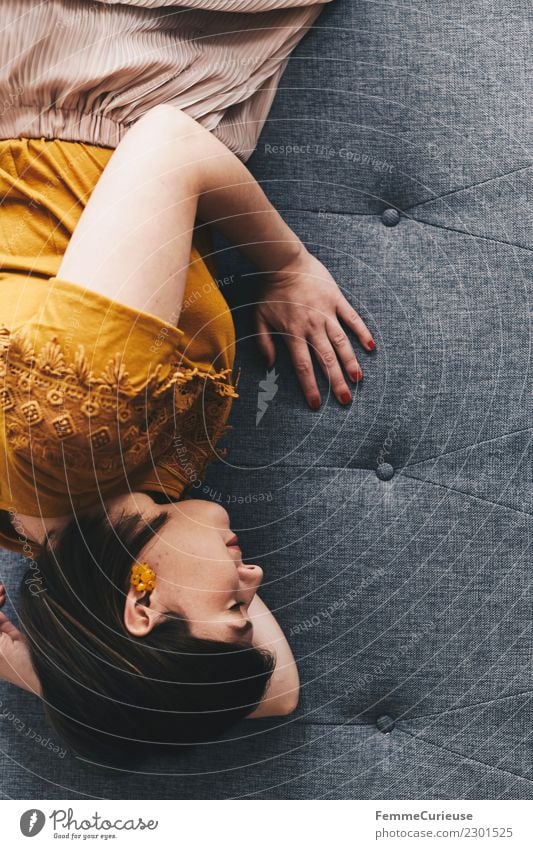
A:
x,y
143,624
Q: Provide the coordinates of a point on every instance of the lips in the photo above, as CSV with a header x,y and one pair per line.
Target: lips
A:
x,y
233,542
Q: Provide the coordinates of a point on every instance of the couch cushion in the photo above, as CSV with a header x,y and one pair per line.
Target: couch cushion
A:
x,y
395,534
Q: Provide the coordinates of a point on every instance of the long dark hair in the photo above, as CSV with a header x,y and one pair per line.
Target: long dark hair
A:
x,y
111,696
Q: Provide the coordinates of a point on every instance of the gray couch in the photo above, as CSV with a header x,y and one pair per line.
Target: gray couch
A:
x,y
396,534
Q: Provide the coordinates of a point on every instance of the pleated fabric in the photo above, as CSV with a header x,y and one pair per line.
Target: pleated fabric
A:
x,y
84,71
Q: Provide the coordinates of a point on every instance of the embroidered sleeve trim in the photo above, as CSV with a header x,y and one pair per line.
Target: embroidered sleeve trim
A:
x,y
64,414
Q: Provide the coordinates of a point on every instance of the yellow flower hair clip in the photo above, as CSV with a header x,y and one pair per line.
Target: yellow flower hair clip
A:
x,y
142,577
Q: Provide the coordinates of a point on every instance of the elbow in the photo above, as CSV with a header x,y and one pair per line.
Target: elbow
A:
x,y
281,705
289,702
162,117
165,120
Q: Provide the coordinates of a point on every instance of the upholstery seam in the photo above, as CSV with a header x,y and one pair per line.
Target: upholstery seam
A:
x,y
475,235
470,495
465,447
465,706
409,465
402,474
471,186
419,220
332,212
400,718
410,218
346,724
467,757
425,459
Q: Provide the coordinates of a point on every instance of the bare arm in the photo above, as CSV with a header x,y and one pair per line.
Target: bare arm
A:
x,y
300,300
230,197
133,239
133,242
283,692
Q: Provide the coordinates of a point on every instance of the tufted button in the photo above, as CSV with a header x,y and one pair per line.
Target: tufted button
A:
x,y
390,217
385,471
385,723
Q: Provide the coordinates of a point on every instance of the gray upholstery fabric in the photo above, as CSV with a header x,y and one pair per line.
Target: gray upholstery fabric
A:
x,y
403,588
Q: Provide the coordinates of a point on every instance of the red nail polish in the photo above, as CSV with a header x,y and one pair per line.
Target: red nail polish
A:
x,y
345,397
315,403
356,375
371,345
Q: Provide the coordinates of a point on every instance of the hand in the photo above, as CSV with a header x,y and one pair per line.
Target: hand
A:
x,y
304,303
15,661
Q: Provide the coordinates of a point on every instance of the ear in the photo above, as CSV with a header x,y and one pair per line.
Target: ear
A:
x,y
139,618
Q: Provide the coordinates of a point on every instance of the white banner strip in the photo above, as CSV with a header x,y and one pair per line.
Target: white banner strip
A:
x,y
266,824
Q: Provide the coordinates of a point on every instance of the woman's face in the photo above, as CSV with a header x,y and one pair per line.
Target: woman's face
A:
x,y
199,571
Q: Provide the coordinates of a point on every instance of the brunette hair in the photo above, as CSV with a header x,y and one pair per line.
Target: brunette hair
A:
x,y
112,696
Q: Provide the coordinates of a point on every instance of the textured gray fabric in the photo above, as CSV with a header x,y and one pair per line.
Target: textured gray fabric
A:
x,y
403,588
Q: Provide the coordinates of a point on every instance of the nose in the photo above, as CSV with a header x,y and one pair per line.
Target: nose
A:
x,y
250,577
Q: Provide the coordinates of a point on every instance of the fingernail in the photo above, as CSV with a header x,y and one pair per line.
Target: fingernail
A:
x,y
314,403
371,345
345,397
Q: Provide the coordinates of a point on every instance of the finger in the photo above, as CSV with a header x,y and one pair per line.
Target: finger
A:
x,y
303,365
7,628
17,667
346,312
264,340
330,365
344,350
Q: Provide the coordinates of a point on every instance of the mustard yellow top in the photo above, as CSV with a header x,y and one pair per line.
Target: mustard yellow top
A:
x,y
96,398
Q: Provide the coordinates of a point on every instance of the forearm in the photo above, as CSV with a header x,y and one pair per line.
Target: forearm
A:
x,y
241,211
230,198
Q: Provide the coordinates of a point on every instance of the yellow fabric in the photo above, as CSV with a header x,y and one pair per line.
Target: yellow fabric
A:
x,y
96,398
